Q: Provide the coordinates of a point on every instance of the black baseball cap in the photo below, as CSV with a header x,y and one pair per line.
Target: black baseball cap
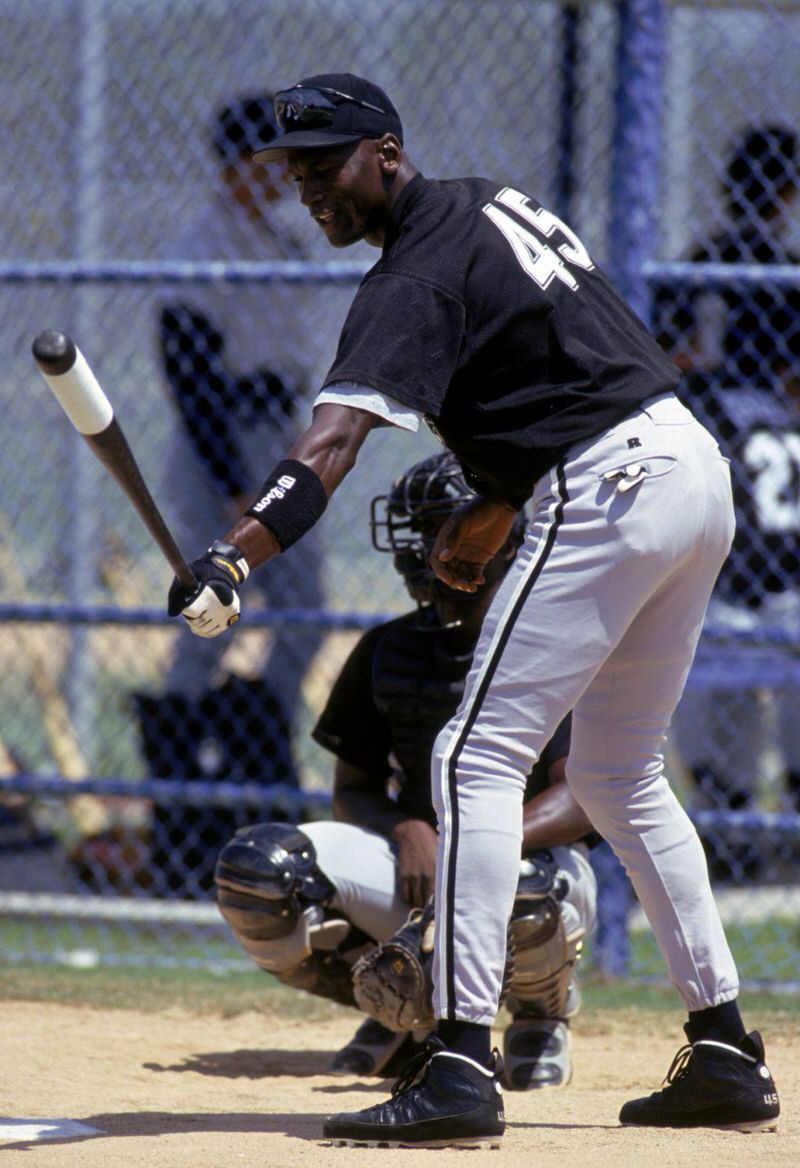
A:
x,y
330,109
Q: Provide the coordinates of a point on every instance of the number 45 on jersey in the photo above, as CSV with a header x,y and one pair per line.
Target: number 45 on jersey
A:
x,y
540,260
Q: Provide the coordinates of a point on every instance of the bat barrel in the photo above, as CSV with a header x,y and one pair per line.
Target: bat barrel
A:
x,y
79,394
66,371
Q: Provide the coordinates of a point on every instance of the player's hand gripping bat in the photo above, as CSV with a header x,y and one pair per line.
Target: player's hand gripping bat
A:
x,y
66,371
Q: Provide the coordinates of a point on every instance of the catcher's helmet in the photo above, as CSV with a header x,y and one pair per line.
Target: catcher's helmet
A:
x,y
407,520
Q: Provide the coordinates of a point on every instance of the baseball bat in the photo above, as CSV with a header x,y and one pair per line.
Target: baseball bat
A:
x,y
79,394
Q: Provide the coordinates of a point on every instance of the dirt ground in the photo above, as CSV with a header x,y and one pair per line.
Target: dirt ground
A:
x,y
172,1090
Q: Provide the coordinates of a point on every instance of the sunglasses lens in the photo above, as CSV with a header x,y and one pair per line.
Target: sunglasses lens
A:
x,y
303,108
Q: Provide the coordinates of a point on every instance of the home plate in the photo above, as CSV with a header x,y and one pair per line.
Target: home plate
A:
x,y
14,1131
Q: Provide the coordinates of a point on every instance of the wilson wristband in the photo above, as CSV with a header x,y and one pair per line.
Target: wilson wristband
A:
x,y
292,499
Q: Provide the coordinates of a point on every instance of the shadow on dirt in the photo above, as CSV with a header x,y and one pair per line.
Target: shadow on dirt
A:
x,y
249,1064
268,1064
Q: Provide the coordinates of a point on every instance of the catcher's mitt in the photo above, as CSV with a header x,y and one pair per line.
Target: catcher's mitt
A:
x,y
392,982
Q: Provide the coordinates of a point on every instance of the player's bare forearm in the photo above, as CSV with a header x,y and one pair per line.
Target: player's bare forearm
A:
x,y
416,860
255,541
364,809
553,818
329,447
360,799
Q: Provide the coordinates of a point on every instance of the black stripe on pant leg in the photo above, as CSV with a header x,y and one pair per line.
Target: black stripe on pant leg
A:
x,y
452,783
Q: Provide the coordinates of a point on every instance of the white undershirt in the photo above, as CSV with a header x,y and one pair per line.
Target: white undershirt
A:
x,y
361,397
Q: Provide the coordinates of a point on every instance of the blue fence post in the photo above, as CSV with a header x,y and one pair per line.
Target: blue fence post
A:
x,y
635,158
636,147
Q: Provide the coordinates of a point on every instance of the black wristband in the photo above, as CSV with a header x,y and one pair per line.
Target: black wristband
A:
x,y
292,499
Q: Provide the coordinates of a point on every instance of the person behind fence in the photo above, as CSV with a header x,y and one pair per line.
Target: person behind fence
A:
x,y
736,332
486,317
761,578
376,860
728,736
235,358
739,340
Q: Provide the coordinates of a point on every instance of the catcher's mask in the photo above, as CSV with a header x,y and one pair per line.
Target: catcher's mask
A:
x,y
407,520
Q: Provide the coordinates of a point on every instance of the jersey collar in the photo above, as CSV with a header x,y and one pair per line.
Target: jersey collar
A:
x,y
405,200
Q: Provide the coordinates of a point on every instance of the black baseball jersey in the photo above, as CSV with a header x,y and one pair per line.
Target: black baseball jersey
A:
x,y
487,315
396,690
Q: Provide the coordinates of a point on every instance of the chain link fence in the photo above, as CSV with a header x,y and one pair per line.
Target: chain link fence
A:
x,y
663,132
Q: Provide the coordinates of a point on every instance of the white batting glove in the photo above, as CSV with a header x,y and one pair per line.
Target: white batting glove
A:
x,y
216,606
208,616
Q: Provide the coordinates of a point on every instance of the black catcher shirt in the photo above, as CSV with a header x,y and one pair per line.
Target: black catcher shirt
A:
x,y
397,689
487,315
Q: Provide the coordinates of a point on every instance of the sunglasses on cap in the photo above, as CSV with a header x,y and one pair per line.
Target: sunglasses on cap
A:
x,y
309,108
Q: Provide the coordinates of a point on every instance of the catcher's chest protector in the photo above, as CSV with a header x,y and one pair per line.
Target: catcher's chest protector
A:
x,y
418,686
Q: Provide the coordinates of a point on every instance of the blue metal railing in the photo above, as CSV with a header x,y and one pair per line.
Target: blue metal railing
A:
x,y
711,274
179,272
109,614
197,792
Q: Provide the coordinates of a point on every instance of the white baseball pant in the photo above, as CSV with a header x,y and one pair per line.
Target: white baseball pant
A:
x,y
600,613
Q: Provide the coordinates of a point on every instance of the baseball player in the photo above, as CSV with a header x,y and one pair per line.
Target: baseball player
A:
x,y
397,689
743,334
487,318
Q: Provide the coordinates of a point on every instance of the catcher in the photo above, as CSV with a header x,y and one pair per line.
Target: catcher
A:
x,y
309,904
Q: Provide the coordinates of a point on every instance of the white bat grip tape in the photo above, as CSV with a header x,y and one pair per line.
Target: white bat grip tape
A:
x,y
81,397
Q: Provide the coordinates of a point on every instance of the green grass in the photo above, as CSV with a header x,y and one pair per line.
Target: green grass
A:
x,y
210,975
763,951
203,993
152,990
132,942
204,977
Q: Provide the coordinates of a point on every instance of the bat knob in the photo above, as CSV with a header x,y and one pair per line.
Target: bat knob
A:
x,y
54,352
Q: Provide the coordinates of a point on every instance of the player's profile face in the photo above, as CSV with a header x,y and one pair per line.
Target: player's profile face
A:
x,y
343,191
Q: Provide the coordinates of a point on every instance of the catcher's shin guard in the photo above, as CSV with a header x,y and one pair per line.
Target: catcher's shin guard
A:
x,y
542,986
536,1054
541,954
273,896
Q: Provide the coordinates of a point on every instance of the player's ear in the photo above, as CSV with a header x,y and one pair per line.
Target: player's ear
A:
x,y
390,154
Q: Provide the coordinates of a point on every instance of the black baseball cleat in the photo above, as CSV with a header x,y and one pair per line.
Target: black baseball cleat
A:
x,y
712,1084
442,1100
